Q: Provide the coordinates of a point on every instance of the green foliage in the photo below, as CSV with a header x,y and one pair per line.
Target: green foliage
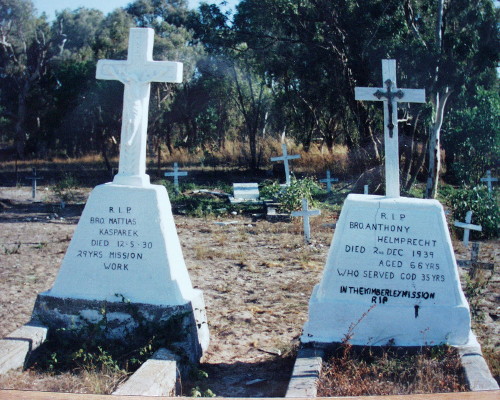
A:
x,y
484,207
197,204
290,197
65,189
199,389
471,139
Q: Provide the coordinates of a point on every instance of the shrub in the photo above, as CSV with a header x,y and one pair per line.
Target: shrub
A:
x,y
484,207
65,189
290,197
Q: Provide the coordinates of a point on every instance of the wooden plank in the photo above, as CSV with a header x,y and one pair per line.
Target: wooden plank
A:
x,y
156,377
31,395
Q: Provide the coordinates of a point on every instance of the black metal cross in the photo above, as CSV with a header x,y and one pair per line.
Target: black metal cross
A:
x,y
389,95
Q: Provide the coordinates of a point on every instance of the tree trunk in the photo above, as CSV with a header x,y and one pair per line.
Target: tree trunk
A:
x,y
439,103
418,166
21,121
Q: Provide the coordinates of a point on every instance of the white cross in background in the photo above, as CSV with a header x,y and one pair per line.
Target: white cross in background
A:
x,y
33,178
328,181
489,180
176,175
390,95
467,226
285,157
136,73
306,213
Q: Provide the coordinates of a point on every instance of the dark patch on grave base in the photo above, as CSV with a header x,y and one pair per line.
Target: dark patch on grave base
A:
x,y
68,316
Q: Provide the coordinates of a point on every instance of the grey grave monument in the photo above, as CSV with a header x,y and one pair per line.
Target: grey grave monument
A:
x,y
305,213
126,245
285,158
474,264
391,274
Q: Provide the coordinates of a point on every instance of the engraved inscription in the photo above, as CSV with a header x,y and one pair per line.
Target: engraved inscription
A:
x,y
118,241
390,257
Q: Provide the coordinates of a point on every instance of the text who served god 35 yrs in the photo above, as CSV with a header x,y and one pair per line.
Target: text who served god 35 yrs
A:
x,y
393,253
117,241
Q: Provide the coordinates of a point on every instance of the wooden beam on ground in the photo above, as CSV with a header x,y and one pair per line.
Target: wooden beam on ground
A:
x,y
31,395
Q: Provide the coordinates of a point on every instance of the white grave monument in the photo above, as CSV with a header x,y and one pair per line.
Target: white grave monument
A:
x,y
176,173
467,227
126,243
285,157
306,213
33,179
328,180
489,180
391,274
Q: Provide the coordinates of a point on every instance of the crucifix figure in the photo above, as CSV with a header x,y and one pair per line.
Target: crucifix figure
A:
x,y
136,73
176,175
467,227
285,157
390,95
306,213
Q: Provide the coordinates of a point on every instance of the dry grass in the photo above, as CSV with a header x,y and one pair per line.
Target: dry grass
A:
x,y
83,381
376,372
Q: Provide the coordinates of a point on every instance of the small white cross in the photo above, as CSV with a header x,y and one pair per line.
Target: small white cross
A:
x,y
467,226
285,157
390,95
136,73
176,175
489,180
328,181
33,178
306,213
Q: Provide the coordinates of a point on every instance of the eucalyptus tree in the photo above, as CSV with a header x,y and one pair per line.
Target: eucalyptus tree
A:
x,y
315,52
25,49
250,91
174,42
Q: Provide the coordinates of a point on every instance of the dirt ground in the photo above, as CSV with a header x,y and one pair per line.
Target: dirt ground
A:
x,y
256,277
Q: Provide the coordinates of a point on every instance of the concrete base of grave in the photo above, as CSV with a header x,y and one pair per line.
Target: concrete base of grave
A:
x,y
335,321
477,373
74,314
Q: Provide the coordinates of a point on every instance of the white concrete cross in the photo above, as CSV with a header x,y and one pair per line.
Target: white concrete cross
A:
x,y
136,73
390,95
285,157
328,181
306,213
176,175
489,179
467,227
33,178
